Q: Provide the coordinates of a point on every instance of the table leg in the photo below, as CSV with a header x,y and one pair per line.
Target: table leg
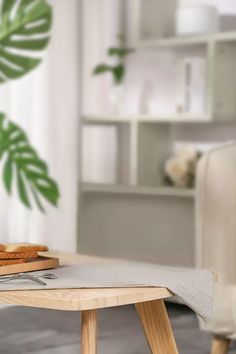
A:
x,y
220,345
89,332
157,327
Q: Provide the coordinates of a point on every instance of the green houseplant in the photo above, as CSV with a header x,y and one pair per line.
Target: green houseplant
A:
x,y
116,69
24,32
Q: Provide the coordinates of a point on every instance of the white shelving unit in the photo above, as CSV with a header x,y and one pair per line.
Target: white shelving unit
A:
x,y
138,217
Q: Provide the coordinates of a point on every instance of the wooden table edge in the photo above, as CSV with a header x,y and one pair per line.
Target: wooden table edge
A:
x,y
45,298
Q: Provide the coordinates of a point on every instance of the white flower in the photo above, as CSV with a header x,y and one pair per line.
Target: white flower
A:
x,y
177,169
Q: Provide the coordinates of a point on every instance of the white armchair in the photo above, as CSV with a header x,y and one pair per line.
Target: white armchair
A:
x,y
216,237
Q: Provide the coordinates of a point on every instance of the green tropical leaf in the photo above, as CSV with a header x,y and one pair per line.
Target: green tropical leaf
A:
x,y
37,201
24,27
8,175
118,73
23,194
119,52
24,166
101,68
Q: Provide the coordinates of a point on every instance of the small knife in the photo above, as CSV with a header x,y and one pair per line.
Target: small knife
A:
x,y
22,276
32,278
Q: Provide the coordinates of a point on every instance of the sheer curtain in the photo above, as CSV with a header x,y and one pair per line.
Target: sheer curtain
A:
x,y
46,104
101,24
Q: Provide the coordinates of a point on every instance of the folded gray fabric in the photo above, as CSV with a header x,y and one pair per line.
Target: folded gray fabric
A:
x,y
194,287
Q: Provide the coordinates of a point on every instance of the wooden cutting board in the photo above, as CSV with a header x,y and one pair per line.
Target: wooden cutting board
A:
x,y
39,263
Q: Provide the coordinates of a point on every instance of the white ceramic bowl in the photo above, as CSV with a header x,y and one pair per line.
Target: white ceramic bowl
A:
x,y
197,19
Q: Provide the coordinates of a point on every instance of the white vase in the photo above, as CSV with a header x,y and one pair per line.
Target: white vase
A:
x,y
197,19
116,99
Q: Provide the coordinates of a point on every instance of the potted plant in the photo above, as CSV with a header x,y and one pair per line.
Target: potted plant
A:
x,y
24,30
117,70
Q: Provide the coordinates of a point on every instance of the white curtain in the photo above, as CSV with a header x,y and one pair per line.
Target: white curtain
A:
x,y
101,24
46,104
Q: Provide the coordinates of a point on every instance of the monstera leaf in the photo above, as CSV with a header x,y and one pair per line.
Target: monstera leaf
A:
x,y
24,26
24,32
23,166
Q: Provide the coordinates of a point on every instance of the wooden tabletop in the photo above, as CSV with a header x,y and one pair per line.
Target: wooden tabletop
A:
x,y
81,299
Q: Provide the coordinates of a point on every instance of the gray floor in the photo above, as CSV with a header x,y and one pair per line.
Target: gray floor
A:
x,y
25,330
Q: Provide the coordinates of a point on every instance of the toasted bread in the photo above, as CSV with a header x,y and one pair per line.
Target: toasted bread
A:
x,y
18,255
4,262
22,247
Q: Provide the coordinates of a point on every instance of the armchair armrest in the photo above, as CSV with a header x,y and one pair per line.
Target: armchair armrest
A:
x,y
216,211
216,231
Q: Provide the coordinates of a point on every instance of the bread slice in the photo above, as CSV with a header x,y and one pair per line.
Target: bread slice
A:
x,y
18,255
22,247
4,262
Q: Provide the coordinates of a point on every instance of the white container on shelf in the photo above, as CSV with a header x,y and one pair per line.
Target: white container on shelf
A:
x,y
197,19
190,85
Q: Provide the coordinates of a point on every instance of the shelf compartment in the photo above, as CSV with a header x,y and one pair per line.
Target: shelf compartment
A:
x,y
137,190
154,146
106,153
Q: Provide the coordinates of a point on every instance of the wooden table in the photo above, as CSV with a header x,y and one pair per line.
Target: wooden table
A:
x,y
149,303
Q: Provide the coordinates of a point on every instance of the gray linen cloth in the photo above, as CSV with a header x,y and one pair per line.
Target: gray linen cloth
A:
x,y
194,287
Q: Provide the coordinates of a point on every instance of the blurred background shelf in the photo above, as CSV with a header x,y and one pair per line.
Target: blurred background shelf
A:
x,y
183,90
137,190
187,41
107,119
138,118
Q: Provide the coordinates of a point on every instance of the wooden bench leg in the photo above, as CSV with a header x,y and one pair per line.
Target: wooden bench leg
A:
x,y
157,327
89,332
220,345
